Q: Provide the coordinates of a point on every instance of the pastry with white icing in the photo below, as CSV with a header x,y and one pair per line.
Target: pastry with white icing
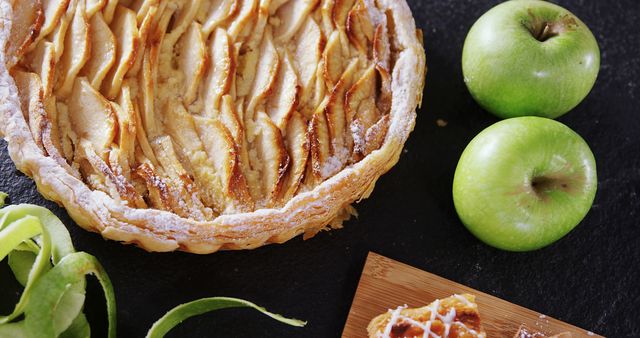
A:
x,y
453,317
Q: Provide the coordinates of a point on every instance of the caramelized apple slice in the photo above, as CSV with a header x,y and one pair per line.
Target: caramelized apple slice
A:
x,y
332,58
186,197
250,50
361,97
317,93
283,99
91,115
142,8
375,135
275,5
219,10
171,194
291,16
126,124
382,58
120,165
127,103
336,115
246,73
319,144
103,51
229,117
359,27
26,20
221,149
53,11
51,139
257,27
363,112
326,12
385,96
143,32
182,130
307,54
192,61
42,61
220,74
114,184
115,173
184,16
125,30
246,13
77,50
340,12
59,32
298,147
109,10
382,48
167,157
163,9
30,90
265,74
159,195
147,78
68,138
94,6
271,157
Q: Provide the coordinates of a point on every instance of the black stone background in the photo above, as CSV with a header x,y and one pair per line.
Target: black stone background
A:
x,y
590,278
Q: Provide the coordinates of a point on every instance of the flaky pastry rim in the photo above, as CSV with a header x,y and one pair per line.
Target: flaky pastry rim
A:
x,y
161,231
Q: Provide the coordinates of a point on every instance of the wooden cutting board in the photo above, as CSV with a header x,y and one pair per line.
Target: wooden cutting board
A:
x,y
386,284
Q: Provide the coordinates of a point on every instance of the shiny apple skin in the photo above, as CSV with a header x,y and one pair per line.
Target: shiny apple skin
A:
x,y
510,73
524,183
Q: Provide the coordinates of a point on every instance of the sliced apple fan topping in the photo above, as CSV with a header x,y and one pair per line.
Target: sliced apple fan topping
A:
x,y
205,107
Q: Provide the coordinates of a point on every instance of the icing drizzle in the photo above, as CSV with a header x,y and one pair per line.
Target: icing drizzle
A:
x,y
448,320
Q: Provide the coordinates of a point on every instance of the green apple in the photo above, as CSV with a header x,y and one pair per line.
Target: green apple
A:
x,y
529,57
524,183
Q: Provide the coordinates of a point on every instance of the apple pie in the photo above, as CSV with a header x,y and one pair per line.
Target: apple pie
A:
x,y
453,317
201,125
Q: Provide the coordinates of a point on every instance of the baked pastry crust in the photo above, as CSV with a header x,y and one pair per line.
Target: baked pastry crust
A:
x,y
123,215
454,317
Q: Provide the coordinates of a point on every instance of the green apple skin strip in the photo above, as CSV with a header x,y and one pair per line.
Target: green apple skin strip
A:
x,y
59,291
182,312
59,282
60,238
41,255
13,235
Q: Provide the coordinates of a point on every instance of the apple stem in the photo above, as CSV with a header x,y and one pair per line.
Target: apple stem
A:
x,y
544,33
544,30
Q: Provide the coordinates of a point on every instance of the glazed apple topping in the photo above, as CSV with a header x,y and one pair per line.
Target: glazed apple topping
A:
x,y
208,107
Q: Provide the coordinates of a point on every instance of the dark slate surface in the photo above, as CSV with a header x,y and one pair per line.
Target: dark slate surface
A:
x,y
590,278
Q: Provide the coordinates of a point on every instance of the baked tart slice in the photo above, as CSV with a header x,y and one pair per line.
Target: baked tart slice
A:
x,y
453,317
201,125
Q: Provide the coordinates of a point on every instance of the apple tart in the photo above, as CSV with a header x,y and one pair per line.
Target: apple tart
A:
x,y
201,125
454,317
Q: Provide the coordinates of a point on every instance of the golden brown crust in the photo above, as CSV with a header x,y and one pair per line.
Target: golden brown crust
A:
x,y
303,210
